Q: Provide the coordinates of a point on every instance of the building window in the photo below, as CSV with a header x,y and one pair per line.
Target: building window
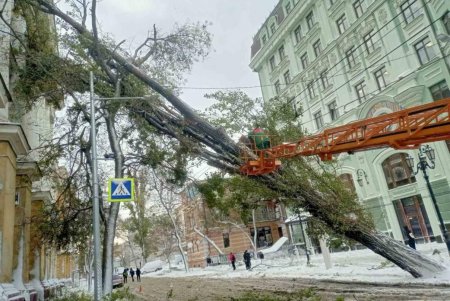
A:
x,y
350,56
410,10
357,6
264,39
324,79
341,24
424,52
397,172
368,42
272,28
288,7
310,20
319,120
298,34
272,63
379,77
264,236
304,59
333,109
439,90
347,180
360,91
287,77
446,21
226,240
311,90
281,52
277,87
317,48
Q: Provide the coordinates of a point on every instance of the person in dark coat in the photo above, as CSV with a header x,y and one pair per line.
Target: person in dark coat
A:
x,y
132,274
247,260
411,238
138,275
125,275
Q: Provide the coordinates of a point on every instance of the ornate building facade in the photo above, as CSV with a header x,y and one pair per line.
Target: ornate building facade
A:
x,y
337,61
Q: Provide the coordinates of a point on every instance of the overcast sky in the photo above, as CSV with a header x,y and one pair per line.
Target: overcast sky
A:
x,y
234,23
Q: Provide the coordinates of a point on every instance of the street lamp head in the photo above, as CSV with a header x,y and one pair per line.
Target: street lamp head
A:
x,y
410,163
109,156
360,181
429,151
361,176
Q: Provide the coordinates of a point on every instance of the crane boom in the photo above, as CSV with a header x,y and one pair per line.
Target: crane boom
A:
x,y
404,129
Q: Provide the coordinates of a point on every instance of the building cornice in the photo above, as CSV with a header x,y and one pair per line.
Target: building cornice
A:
x,y
13,133
30,169
45,196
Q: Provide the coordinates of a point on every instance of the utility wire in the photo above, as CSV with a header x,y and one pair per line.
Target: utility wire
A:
x,y
361,53
345,83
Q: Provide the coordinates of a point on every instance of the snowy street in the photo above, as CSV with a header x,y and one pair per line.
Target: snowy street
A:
x,y
356,275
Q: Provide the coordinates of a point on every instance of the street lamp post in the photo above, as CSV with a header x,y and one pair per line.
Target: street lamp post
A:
x,y
425,151
98,292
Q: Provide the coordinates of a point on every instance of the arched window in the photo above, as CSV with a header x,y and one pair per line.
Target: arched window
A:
x,y
347,179
396,171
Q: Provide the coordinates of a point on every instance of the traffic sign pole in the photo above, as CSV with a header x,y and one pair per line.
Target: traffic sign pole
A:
x,y
98,292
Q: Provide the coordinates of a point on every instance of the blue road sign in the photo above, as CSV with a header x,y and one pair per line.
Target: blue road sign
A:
x,y
121,190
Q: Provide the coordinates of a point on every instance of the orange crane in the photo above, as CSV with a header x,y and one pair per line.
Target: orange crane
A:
x,y
405,129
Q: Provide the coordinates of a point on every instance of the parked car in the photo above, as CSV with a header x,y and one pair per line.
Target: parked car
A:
x,y
152,266
117,281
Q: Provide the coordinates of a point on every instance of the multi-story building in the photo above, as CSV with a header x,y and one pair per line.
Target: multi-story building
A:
x,y
22,132
203,227
337,61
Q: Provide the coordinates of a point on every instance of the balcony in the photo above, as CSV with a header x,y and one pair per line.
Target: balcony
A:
x,y
262,215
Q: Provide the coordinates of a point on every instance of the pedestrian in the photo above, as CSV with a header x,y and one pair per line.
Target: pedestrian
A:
x,y
411,238
125,275
132,274
247,260
232,259
138,275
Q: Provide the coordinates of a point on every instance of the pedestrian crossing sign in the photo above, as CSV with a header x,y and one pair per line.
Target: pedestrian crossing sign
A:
x,y
121,190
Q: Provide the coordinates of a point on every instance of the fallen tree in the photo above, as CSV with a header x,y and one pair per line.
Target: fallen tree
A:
x,y
310,189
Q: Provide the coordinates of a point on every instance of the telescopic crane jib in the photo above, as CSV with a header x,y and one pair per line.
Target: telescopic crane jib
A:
x,y
405,129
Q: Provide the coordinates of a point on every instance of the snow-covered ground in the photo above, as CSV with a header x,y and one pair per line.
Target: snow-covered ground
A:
x,y
360,265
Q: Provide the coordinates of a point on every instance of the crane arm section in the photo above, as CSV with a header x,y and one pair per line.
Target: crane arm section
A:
x,y
404,129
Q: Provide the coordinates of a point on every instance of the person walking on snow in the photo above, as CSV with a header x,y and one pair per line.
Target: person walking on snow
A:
x,y
125,275
132,274
232,259
138,275
247,260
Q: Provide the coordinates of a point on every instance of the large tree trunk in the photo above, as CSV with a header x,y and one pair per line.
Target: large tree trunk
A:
x,y
225,155
111,224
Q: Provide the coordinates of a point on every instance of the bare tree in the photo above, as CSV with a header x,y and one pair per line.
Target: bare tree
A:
x,y
169,200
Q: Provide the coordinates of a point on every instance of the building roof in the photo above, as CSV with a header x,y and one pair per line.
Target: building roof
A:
x,y
279,15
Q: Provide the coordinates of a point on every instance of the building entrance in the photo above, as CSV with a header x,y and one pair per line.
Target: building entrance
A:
x,y
411,213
